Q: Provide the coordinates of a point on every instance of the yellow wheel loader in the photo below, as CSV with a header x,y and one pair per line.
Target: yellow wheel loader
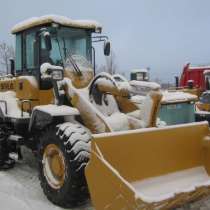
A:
x,y
85,131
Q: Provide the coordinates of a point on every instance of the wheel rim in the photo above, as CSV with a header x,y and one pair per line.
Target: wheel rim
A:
x,y
54,166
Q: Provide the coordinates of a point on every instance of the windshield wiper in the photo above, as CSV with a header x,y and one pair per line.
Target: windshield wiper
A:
x,y
68,54
73,63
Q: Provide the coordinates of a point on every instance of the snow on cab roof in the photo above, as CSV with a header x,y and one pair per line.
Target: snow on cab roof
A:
x,y
192,67
65,21
139,71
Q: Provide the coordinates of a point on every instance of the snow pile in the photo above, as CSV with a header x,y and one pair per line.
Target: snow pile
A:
x,y
150,85
166,186
36,21
171,97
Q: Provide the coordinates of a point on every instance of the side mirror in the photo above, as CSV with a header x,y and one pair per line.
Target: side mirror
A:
x,y
107,48
47,39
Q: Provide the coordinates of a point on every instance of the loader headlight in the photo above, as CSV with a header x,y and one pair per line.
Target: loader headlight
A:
x,y
57,74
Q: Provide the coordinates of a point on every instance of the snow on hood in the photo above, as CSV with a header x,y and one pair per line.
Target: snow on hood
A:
x,y
65,21
170,97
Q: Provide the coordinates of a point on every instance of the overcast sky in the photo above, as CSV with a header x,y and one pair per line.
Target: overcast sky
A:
x,y
161,34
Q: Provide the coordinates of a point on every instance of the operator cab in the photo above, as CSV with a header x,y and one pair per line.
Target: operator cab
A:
x,y
58,41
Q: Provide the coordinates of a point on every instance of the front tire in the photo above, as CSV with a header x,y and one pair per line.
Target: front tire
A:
x,y
64,152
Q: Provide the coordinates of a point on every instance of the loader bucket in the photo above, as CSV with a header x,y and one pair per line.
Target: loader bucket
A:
x,y
153,168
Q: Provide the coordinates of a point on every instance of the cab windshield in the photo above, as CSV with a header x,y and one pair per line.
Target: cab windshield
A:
x,y
65,42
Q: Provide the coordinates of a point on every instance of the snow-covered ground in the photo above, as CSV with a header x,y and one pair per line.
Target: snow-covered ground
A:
x,y
20,189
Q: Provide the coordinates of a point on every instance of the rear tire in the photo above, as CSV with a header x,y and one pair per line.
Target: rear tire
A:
x,y
65,148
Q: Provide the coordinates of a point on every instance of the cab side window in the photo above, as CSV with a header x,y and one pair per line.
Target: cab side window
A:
x,y
31,61
18,53
45,54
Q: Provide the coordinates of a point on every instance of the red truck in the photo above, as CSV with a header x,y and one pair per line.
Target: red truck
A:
x,y
195,75
198,77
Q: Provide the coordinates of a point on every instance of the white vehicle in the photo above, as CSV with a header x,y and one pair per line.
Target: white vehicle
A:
x,y
140,74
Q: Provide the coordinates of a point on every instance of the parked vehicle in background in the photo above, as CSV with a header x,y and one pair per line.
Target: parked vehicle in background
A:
x,y
140,74
193,78
177,108
197,80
